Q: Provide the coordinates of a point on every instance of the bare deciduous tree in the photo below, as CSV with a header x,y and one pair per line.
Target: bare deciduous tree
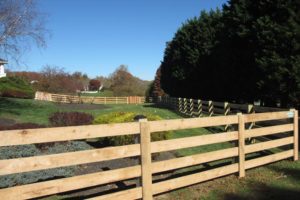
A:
x,y
21,24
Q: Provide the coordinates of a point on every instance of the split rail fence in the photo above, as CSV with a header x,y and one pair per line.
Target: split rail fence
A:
x,y
60,98
199,108
147,168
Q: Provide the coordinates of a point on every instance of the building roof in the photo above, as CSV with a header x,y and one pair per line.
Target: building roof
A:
x,y
3,61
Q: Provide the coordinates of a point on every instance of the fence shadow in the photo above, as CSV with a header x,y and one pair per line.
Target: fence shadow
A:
x,y
261,191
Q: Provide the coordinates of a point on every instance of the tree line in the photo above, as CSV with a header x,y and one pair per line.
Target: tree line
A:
x,y
247,51
56,80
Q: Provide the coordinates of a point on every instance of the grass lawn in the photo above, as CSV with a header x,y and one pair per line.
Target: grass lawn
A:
x,y
280,180
27,110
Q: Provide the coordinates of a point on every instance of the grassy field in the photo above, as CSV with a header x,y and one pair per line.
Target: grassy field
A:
x,y
280,180
27,110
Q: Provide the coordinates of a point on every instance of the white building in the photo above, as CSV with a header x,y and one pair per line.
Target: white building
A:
x,y
2,72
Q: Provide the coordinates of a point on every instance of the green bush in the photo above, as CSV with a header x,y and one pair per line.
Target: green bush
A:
x,y
16,87
120,117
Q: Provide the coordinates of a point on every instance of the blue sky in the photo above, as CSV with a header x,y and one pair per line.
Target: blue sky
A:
x,y
96,36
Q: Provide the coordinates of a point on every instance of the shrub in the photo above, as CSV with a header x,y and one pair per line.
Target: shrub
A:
x,y
15,87
120,117
70,119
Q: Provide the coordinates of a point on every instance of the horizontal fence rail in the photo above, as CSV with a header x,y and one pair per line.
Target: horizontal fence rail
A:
x,y
60,98
147,169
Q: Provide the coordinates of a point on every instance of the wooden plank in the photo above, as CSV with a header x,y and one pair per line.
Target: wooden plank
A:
x,y
179,124
268,130
146,160
135,193
61,185
179,182
27,164
268,159
197,159
268,145
194,178
266,116
241,146
31,136
67,184
180,143
296,135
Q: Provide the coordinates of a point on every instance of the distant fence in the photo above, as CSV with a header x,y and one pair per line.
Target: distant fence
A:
x,y
147,169
198,107
59,98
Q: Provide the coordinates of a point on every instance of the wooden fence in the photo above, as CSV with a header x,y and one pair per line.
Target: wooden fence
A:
x,y
199,108
59,98
147,169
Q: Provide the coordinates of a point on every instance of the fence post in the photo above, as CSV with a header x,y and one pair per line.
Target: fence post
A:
x,y
199,103
296,134
226,112
241,146
191,107
250,110
184,106
146,159
210,108
179,104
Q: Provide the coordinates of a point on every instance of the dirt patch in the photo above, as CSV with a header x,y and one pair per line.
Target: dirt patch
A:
x,y
82,106
6,122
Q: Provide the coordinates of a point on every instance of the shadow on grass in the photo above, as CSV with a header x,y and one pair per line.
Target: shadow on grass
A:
x,y
263,192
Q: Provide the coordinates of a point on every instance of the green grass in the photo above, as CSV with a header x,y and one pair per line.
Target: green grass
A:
x,y
27,110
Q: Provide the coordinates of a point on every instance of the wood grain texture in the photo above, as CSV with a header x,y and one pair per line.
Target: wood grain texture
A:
x,y
146,160
32,136
241,146
266,116
179,124
269,130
